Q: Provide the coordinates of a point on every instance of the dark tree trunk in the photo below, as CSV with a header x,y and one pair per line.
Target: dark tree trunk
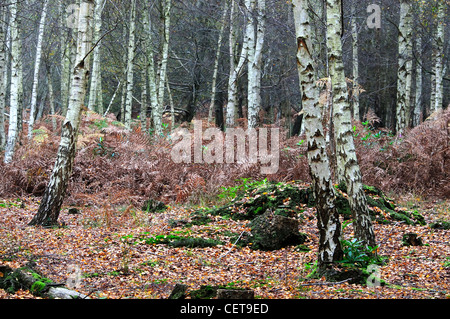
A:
x,y
218,109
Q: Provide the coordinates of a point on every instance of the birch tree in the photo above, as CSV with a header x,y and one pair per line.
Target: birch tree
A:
x,y
418,92
404,75
95,91
130,66
54,194
236,60
65,59
15,88
255,43
37,65
347,162
152,94
3,76
327,216
355,64
159,109
438,55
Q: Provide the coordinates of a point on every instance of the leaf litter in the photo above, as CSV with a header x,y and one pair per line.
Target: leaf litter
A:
x,y
109,249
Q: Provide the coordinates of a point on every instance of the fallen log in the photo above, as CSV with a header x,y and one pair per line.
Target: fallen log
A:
x,y
26,278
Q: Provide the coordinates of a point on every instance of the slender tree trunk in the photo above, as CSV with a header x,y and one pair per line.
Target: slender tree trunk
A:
x,y
158,111
3,77
54,195
256,42
439,48
16,65
124,75
172,105
236,68
51,98
216,63
327,216
130,66
404,67
95,92
348,168
418,92
144,100
355,65
37,65
150,66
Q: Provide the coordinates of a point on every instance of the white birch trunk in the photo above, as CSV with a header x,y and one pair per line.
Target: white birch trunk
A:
x,y
158,111
130,66
3,77
152,95
53,198
216,63
418,92
439,48
37,65
95,92
236,68
328,218
65,55
404,67
355,65
16,59
256,42
347,162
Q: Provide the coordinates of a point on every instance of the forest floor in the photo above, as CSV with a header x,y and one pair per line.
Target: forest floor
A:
x,y
107,247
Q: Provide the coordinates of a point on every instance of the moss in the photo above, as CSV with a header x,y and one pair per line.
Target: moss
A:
x,y
401,217
209,292
204,292
440,224
255,201
343,206
37,287
191,242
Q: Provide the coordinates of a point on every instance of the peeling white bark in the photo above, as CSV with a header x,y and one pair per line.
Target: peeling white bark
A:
x,y
95,92
53,198
3,77
255,43
328,219
236,68
439,49
16,65
404,76
158,111
347,162
130,66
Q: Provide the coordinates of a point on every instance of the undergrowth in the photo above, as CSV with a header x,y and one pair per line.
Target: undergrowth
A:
x,y
121,167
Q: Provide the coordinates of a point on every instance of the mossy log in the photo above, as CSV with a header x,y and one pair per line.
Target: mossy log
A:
x,y
12,280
